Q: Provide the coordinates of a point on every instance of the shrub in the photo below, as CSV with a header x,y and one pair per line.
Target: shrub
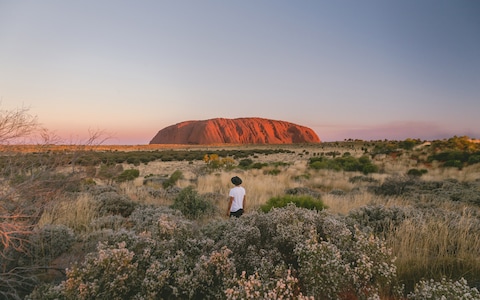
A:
x,y
303,191
322,270
258,165
191,204
128,175
212,275
356,179
274,172
395,185
408,144
445,289
256,287
48,242
172,180
112,203
304,201
245,163
336,268
416,172
474,159
454,163
379,218
214,161
109,171
111,273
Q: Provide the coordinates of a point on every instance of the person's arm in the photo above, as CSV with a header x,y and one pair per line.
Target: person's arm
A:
x,y
229,206
245,203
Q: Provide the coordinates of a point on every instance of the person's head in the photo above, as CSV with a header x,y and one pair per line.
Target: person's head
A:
x,y
236,180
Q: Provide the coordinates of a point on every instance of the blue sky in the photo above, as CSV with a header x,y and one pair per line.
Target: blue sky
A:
x,y
346,69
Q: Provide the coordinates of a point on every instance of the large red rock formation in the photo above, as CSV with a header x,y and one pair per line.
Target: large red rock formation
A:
x,y
235,131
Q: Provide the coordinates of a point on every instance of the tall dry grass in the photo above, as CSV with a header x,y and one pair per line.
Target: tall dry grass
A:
x,y
431,247
259,186
469,173
343,204
77,214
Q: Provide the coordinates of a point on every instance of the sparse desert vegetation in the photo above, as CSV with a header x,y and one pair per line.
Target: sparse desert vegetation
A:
x,y
344,220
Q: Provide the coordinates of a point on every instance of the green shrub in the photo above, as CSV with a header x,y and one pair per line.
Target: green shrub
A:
x,y
395,185
361,178
454,163
304,201
454,156
245,163
408,144
474,159
258,165
172,180
109,171
191,204
416,172
112,203
128,175
274,172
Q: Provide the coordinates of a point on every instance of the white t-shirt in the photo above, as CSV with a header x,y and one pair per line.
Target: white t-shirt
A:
x,y
237,193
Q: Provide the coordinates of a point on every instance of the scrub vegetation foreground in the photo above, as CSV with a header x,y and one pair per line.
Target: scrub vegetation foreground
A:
x,y
346,220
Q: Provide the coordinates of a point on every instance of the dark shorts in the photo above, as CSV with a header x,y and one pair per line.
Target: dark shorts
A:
x,y
237,213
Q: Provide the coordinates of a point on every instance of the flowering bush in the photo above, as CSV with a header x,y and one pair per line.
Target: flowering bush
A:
x,y
353,264
443,290
321,268
256,287
109,273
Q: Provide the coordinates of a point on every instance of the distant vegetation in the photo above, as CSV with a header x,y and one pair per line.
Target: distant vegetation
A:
x,y
346,163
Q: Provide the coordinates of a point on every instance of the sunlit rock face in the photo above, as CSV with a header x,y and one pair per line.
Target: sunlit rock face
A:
x,y
235,131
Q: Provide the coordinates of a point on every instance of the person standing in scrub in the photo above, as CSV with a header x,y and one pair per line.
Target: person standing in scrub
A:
x,y
237,198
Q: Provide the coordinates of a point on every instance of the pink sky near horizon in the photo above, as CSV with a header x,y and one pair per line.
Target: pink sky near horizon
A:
x,y
369,70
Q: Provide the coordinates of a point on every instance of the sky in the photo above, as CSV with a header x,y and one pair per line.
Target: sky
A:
x,y
345,68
